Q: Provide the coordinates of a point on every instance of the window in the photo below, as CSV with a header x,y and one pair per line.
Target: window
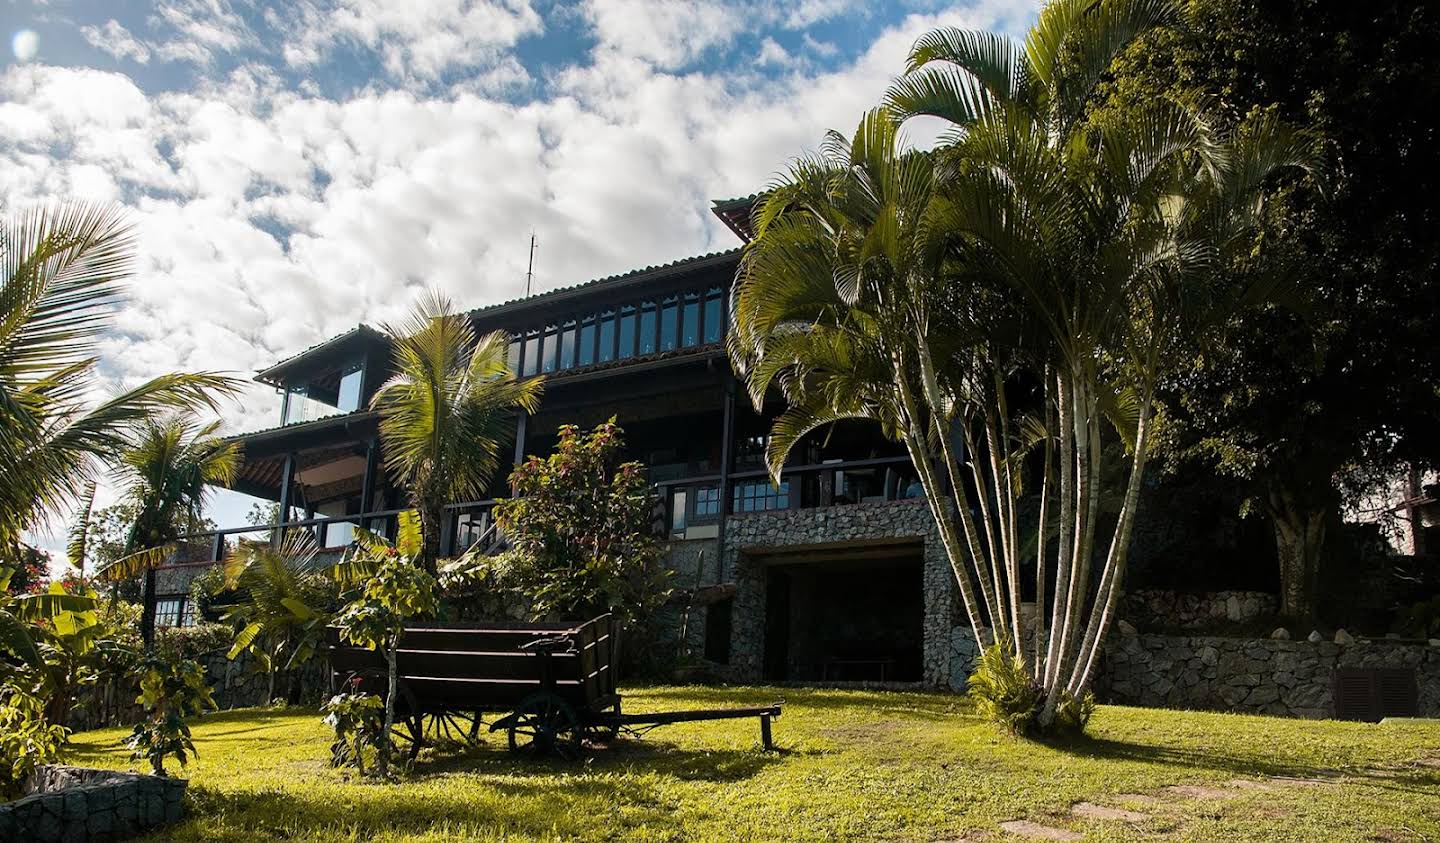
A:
x,y
349,392
647,327
337,533
759,497
677,513
587,342
607,337
532,354
627,332
512,356
170,612
707,502
300,407
669,314
470,527
567,345
690,323
714,326
549,349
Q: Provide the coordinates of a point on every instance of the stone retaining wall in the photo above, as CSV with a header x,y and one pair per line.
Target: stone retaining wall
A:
x,y
1263,676
1154,609
232,685
81,804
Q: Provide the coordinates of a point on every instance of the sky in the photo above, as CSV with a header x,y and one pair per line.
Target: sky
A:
x,y
295,168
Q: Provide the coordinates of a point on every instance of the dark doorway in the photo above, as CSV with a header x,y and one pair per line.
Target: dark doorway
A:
x,y
841,620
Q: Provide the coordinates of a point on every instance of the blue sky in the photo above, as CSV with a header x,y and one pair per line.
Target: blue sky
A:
x,y
295,168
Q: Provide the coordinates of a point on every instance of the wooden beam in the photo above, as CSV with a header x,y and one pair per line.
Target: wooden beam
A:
x,y
287,473
727,436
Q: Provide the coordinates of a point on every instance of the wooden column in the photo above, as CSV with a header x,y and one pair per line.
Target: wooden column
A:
x,y
520,425
367,487
287,473
727,437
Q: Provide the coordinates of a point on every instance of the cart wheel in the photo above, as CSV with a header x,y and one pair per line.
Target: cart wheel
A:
x,y
544,724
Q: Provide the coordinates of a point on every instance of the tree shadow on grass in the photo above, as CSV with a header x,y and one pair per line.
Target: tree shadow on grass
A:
x,y
569,806
1420,780
917,704
626,755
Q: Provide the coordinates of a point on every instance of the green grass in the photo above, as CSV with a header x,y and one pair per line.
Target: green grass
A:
x,y
853,766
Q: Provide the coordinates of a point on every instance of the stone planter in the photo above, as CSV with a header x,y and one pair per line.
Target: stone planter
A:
x,y
81,804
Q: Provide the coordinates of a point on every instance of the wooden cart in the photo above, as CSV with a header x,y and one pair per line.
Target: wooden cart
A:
x,y
553,682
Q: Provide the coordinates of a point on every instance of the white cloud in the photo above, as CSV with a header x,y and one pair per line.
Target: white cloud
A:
x,y
772,54
115,39
667,33
199,29
419,39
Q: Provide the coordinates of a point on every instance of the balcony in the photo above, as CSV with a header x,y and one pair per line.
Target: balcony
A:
x,y
688,508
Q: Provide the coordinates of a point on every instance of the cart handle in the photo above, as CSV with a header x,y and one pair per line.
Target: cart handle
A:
x,y
549,645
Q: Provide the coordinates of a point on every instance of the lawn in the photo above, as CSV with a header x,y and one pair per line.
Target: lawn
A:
x,y
853,766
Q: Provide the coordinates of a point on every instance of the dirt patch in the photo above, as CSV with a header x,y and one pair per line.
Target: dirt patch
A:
x,y
1198,791
1092,811
1025,828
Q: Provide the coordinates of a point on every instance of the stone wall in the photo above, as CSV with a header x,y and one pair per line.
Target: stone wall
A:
x,y
1264,676
232,685
76,803
694,561
1156,609
749,537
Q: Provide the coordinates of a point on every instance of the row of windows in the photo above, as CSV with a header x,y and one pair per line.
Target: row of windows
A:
x,y
172,612
679,320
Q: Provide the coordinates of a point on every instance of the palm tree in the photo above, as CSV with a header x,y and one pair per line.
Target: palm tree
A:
x,y
63,269
445,411
167,467
278,611
1039,245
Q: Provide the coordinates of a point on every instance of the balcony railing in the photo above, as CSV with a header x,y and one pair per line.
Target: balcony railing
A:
x,y
686,508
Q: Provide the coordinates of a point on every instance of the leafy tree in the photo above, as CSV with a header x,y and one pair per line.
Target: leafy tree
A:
x,y
62,268
279,603
66,641
390,589
168,466
171,692
1296,401
445,411
1037,258
580,530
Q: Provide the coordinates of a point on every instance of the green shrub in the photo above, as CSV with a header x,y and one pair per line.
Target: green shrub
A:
x,y
189,642
358,721
26,738
1420,620
170,691
1004,693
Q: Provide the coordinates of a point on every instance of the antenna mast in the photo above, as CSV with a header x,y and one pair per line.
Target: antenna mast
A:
x,y
530,271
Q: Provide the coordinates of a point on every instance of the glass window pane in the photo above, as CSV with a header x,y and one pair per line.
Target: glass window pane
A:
x,y
677,511
567,345
512,356
713,328
549,349
349,393
647,327
669,316
532,354
587,342
690,326
607,336
627,332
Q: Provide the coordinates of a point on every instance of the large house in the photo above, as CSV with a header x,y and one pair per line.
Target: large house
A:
x,y
835,573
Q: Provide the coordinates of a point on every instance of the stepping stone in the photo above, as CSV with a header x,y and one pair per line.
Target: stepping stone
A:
x,y
1025,828
1197,791
1102,812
